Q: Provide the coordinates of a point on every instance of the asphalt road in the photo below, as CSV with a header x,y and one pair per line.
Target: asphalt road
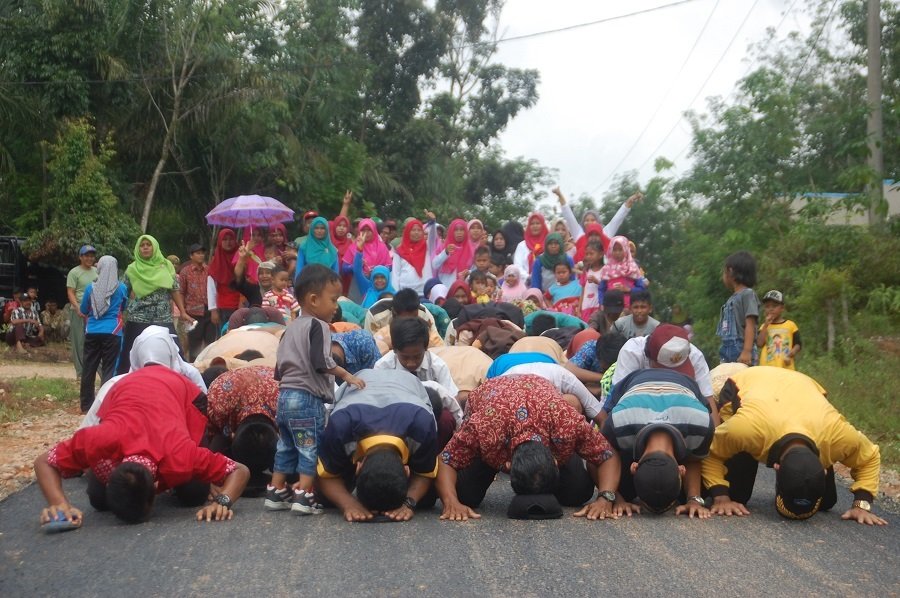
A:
x,y
280,554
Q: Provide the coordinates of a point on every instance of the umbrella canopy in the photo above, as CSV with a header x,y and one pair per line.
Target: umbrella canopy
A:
x,y
249,210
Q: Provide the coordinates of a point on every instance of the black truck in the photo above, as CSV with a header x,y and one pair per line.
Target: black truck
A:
x,y
17,274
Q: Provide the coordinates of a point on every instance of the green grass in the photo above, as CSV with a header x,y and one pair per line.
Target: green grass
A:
x,y
861,378
29,396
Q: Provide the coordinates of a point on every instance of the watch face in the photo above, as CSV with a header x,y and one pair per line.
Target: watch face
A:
x,y
610,496
863,504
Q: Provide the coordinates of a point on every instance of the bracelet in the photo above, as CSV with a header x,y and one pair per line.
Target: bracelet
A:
x,y
697,499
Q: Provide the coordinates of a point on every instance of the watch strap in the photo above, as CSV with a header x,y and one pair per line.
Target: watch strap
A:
x,y
410,502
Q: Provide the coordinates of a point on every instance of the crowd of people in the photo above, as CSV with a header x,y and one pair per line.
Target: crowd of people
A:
x,y
375,368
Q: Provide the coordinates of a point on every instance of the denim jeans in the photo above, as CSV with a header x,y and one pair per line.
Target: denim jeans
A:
x,y
300,419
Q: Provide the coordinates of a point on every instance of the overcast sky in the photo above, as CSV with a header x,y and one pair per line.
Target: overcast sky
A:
x,y
601,84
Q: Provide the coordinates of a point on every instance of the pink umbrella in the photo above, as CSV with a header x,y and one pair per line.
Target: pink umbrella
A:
x,y
249,210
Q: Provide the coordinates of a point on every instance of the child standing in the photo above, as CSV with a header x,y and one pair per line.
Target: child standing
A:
x,y
739,315
280,297
590,280
306,371
565,293
778,339
621,272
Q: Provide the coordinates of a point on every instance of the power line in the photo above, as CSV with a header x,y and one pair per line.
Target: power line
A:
x,y
815,43
703,86
577,25
663,100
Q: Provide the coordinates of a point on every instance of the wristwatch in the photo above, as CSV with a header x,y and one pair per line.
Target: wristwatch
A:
x,y
410,502
862,504
224,500
608,495
697,499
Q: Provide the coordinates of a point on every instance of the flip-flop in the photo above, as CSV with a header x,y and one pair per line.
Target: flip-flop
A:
x,y
61,524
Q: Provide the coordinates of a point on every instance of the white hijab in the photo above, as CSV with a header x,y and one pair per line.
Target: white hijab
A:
x,y
155,345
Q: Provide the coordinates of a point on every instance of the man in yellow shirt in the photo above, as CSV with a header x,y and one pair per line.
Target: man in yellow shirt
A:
x,y
781,418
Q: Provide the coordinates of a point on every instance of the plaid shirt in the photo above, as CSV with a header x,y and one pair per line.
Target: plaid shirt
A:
x,y
192,280
20,313
510,410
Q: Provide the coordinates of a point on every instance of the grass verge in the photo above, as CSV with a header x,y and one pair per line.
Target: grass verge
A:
x,y
23,397
861,379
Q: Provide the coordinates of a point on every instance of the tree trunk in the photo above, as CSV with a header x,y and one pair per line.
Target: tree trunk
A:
x,y
829,315
845,312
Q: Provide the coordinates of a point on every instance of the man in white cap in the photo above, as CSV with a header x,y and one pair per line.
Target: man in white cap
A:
x,y
667,347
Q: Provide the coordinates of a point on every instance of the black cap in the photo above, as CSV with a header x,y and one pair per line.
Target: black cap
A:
x,y
678,445
657,482
195,248
613,301
534,506
799,483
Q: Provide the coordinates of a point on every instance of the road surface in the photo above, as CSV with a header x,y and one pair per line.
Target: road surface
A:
x,y
280,554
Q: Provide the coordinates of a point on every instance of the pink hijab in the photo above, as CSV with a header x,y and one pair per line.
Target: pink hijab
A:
x,y
464,255
514,293
375,252
627,268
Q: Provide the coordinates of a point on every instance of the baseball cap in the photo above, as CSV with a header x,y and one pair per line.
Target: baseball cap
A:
x,y
87,249
657,482
310,214
24,297
195,248
613,302
720,374
774,295
669,346
800,480
534,506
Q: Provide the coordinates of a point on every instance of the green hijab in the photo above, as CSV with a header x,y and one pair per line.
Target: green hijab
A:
x,y
151,274
549,261
319,251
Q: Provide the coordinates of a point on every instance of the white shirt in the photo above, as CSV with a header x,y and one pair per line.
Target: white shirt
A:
x,y
632,359
433,368
562,379
447,400
404,276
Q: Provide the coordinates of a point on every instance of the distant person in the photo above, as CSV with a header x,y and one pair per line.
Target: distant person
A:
x,y
306,371
26,327
778,339
638,322
737,322
56,325
194,280
77,281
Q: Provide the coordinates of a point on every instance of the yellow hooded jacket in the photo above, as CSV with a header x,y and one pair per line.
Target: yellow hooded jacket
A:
x,y
775,402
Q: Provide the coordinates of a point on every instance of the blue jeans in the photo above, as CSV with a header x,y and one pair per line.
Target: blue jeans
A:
x,y
300,419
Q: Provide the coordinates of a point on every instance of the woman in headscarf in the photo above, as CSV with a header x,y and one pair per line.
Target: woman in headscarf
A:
x,y
342,241
103,303
355,350
255,241
593,233
278,238
369,246
152,287
542,272
461,292
590,217
476,232
318,248
412,264
375,286
533,244
560,226
457,255
222,296
438,294
512,289
155,346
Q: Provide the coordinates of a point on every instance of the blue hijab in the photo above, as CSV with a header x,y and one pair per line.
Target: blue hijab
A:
x,y
511,360
372,294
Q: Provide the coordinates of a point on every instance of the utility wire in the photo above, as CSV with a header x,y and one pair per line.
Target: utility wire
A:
x,y
662,102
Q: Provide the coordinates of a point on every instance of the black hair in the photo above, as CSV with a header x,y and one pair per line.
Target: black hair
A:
x,y
477,276
254,443
499,259
249,355
640,295
409,331
608,347
338,315
406,301
743,268
382,483
191,494
256,315
434,397
566,264
596,246
533,469
278,270
338,359
542,323
210,374
386,295
130,492
482,250
314,278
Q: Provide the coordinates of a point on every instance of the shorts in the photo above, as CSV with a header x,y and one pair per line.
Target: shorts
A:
x,y
731,349
300,418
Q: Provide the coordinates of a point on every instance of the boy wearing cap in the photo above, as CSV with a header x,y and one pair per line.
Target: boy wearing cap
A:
x,y
77,280
193,279
778,339
662,428
781,418
668,347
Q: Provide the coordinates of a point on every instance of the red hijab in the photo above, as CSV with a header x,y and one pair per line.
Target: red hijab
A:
x,y
464,255
280,227
220,267
535,243
582,242
342,244
413,252
460,284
